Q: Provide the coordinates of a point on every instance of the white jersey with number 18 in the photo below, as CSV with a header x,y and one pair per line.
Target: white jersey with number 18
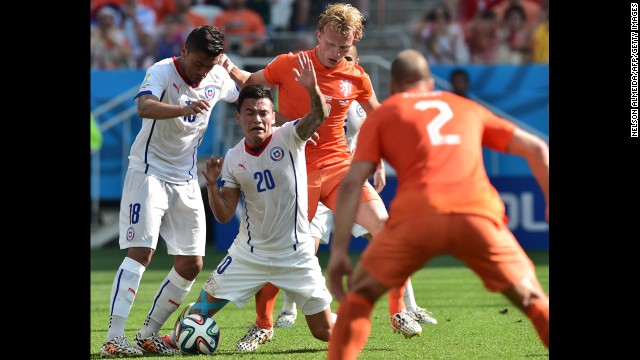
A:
x,y
167,149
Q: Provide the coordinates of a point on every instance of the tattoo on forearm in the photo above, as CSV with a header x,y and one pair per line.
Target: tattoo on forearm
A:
x,y
310,122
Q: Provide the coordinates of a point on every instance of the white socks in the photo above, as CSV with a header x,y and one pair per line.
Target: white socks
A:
x,y
172,292
288,305
409,299
123,293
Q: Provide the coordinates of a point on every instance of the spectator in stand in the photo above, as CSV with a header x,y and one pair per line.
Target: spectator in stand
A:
x,y
161,7
184,13
443,39
174,28
263,8
281,12
300,17
460,82
110,48
139,26
465,11
531,8
514,37
541,38
482,37
244,30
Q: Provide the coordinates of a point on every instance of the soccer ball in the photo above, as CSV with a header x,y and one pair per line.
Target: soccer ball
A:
x,y
182,315
197,334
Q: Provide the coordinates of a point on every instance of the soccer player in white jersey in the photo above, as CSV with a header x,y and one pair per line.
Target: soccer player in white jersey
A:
x,y
322,222
161,194
267,169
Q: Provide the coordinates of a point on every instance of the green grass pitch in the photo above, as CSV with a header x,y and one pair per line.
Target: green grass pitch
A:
x,y
472,323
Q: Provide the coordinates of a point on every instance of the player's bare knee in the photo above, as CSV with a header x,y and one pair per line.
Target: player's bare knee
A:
x,y
321,333
188,266
142,255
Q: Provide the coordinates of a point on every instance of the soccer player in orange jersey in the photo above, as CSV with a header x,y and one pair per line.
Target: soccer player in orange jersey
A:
x,y
340,26
444,202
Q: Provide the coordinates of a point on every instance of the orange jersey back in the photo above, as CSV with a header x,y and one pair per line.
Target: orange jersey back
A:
x,y
434,142
340,85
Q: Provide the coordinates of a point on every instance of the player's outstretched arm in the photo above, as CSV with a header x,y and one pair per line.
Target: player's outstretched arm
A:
x,y
242,77
306,77
223,202
536,152
151,108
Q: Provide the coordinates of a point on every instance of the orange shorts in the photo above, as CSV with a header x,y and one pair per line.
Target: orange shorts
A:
x,y
490,250
323,186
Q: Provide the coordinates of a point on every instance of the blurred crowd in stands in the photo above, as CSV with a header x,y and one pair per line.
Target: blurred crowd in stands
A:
x,y
134,34
485,32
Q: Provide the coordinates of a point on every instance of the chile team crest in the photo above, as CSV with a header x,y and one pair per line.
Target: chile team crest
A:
x,y
276,154
346,87
209,91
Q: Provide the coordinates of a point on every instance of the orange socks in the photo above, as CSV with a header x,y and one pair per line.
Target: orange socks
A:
x,y
396,299
265,302
351,331
538,312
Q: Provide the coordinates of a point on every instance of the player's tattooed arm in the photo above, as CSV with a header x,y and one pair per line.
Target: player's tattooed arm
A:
x,y
306,77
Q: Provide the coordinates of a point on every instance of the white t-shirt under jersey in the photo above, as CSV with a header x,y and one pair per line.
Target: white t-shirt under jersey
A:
x,y
167,149
273,185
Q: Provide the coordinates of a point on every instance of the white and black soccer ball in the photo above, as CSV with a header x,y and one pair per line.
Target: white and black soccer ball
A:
x,y
197,334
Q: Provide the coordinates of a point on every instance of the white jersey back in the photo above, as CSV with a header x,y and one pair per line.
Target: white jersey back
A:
x,y
273,185
167,149
355,116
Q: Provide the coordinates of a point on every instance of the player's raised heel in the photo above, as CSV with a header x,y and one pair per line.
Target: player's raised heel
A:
x,y
254,338
404,323
119,347
422,316
286,319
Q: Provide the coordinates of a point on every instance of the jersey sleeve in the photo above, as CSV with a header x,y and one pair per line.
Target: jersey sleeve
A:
x,y
497,131
156,81
229,91
227,176
278,68
367,88
290,135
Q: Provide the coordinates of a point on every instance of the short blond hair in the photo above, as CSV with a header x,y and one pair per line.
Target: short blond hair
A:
x,y
344,18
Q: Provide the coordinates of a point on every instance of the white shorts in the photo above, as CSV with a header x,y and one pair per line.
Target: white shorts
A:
x,y
322,225
241,274
152,207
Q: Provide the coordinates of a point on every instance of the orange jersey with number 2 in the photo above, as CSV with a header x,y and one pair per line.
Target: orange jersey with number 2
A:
x,y
434,142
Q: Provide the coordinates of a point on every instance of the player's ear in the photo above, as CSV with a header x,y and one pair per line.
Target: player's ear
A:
x,y
183,51
318,34
237,117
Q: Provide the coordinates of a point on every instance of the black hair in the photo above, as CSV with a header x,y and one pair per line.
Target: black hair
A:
x,y
460,71
207,39
257,92
432,14
514,8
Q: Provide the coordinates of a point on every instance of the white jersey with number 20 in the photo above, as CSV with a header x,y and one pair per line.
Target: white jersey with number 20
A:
x,y
273,187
